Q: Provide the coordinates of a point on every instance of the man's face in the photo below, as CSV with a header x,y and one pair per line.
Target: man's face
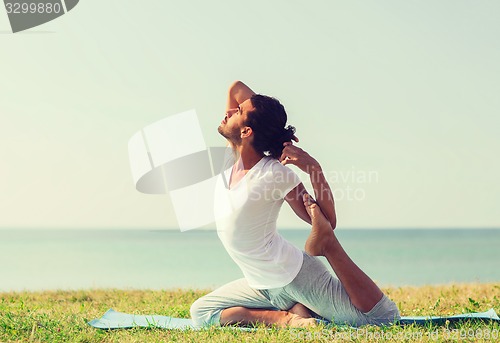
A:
x,y
234,120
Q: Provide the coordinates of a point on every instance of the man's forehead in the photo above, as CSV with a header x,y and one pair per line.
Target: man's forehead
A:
x,y
246,106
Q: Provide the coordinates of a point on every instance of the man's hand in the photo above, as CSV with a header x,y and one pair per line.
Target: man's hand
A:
x,y
296,156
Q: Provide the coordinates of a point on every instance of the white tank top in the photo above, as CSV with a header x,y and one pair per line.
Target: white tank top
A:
x,y
246,218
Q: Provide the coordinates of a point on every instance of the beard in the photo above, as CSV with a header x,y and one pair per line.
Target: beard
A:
x,y
231,134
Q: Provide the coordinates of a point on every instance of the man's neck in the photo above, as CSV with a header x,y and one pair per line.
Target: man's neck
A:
x,y
248,157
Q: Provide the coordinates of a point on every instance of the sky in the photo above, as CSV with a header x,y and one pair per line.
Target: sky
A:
x,y
398,100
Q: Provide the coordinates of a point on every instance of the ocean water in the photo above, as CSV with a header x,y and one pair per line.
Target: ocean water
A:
x,y
165,259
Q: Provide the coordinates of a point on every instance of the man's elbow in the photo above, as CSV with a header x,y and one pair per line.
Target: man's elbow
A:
x,y
333,220
333,223
236,84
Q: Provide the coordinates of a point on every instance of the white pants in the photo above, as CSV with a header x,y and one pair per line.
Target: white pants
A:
x,y
314,287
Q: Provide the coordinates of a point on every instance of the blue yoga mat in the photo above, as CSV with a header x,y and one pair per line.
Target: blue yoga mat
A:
x,y
487,316
117,320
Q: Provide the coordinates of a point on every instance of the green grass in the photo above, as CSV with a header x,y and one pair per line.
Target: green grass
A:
x,y
62,316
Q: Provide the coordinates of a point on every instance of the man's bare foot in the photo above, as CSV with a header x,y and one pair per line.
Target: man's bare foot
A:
x,y
296,321
321,232
300,310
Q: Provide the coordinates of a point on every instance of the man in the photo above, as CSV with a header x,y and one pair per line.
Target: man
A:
x,y
282,286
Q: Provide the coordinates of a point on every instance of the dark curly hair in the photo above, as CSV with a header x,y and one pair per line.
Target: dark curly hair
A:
x,y
268,120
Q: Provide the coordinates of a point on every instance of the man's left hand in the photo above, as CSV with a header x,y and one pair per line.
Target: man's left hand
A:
x,y
296,156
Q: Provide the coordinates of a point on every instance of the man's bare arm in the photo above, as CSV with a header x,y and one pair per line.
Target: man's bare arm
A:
x,y
294,199
324,195
322,192
237,93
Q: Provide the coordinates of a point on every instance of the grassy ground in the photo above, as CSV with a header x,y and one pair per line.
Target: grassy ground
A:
x,y
62,316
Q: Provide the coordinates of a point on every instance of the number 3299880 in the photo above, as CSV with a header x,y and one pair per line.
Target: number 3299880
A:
x,y
41,7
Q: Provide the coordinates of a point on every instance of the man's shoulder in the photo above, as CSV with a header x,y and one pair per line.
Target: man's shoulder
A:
x,y
272,168
274,165
271,164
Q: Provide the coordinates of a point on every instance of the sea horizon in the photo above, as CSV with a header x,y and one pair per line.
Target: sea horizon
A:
x,y
67,259
213,228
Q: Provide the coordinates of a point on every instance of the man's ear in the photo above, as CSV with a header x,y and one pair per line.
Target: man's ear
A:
x,y
246,132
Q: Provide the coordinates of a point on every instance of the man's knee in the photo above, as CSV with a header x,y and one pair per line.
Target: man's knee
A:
x,y
203,314
384,312
196,311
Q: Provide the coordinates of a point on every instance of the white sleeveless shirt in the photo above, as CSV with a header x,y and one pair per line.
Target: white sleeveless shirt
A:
x,y
246,218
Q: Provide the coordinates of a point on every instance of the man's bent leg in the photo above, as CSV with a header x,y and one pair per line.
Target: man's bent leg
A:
x,y
237,302
324,294
362,291
207,309
249,316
